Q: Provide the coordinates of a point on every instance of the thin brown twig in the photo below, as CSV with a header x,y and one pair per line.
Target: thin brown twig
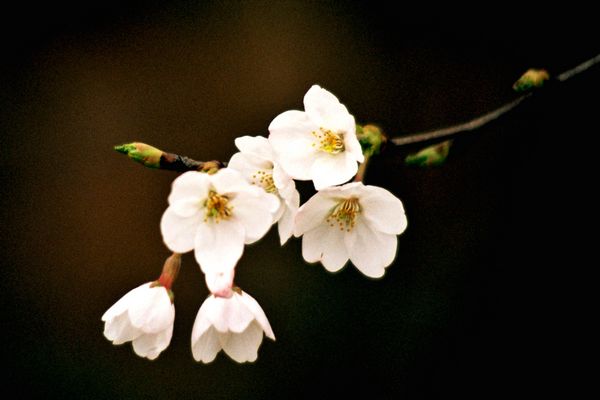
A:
x,y
488,117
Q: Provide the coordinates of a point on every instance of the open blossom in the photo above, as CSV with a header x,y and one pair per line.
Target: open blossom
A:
x,y
256,162
143,316
215,215
317,144
234,324
352,221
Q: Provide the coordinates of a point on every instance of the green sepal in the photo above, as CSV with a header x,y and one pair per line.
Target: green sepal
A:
x,y
430,156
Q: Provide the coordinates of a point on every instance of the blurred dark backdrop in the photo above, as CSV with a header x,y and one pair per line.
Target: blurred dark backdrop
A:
x,y
474,304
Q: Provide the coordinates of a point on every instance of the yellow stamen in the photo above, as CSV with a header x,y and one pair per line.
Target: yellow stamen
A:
x,y
264,180
345,214
216,207
329,141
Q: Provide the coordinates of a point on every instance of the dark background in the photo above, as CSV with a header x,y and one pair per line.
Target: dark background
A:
x,y
478,300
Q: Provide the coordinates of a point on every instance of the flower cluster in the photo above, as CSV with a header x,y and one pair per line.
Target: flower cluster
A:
x,y
217,214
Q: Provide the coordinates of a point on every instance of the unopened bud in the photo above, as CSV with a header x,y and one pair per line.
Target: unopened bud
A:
x,y
533,78
370,138
430,156
142,153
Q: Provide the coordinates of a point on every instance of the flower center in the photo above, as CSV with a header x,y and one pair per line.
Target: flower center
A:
x,y
264,180
345,214
216,207
329,141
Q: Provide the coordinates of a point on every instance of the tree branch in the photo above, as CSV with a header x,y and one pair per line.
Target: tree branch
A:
x,y
486,118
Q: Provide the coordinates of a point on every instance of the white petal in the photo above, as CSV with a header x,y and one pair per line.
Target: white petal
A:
x,y
220,284
255,213
190,184
119,329
281,178
178,232
371,251
151,345
152,311
248,165
285,225
186,207
333,169
257,146
325,109
292,141
124,302
326,244
206,346
227,181
219,246
243,347
202,323
351,143
258,313
229,314
383,210
314,212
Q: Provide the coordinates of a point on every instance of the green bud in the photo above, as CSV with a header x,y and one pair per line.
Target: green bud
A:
x,y
533,78
142,153
370,138
430,156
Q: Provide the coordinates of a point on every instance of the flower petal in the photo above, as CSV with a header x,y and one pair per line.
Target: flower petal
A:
x,y
229,314
371,251
119,329
124,302
219,246
285,226
383,210
228,180
220,284
314,212
206,346
324,109
243,347
292,141
255,213
332,169
258,313
248,165
179,232
190,184
151,345
325,244
152,311
186,207
257,146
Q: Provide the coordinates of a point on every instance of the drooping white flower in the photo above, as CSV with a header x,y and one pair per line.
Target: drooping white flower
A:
x,y
256,162
235,324
352,221
215,215
317,144
143,316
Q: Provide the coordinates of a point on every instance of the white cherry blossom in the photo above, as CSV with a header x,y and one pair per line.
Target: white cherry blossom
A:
x,y
215,215
317,144
234,324
352,221
143,316
256,162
